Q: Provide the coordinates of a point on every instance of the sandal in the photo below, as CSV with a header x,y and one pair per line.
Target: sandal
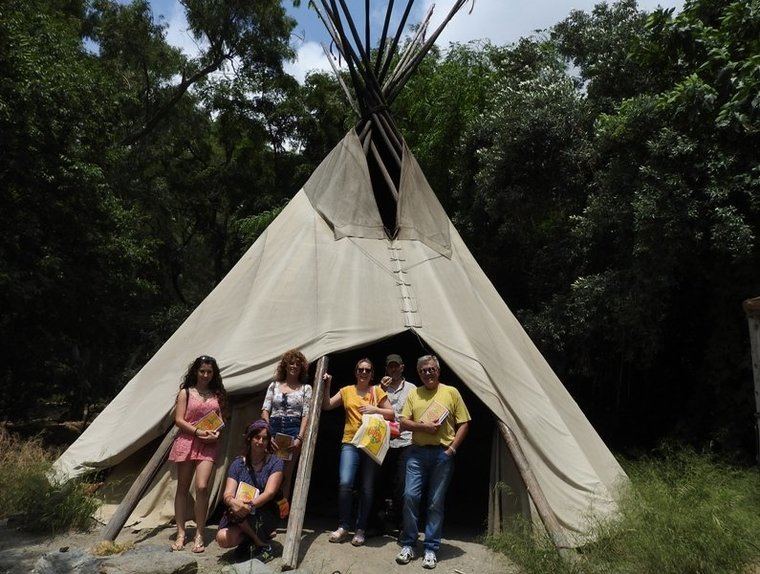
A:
x,y
340,535
358,539
179,543
199,547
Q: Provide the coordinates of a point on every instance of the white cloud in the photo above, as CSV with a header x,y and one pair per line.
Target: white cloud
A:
x,y
309,57
505,21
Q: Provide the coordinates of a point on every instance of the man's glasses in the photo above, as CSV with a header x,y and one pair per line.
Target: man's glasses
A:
x,y
363,370
428,370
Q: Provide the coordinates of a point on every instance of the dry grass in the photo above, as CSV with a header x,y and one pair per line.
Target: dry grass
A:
x,y
30,497
109,548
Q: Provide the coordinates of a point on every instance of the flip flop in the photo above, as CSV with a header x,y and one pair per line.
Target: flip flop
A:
x,y
199,547
179,544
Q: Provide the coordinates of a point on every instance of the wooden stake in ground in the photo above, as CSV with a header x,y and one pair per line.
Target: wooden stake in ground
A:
x,y
303,475
537,494
752,309
141,483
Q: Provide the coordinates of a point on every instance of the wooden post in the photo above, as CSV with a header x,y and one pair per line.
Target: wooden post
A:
x,y
303,476
143,480
537,494
752,309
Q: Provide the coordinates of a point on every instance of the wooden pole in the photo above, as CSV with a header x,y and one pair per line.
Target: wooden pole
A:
x,y
410,50
394,43
354,105
537,494
141,483
383,170
366,142
395,87
303,476
381,48
752,309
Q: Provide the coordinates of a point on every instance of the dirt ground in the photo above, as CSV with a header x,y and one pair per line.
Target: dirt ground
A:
x,y
460,553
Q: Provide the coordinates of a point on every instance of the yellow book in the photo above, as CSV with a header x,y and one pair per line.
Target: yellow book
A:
x,y
435,413
246,492
210,422
283,442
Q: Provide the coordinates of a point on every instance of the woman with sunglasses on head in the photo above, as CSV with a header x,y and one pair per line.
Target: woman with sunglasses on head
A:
x,y
194,450
253,521
358,399
286,406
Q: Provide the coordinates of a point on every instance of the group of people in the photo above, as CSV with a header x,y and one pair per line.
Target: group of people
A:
x,y
420,459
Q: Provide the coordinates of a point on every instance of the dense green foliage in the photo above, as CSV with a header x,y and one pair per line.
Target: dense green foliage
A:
x,y
605,174
684,513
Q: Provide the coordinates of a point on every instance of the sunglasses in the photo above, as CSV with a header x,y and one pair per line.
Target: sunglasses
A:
x,y
363,370
428,370
206,359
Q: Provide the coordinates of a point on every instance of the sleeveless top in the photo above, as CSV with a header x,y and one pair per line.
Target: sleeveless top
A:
x,y
189,447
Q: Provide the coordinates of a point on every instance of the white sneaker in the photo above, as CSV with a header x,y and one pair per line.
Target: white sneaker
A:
x,y
429,561
405,556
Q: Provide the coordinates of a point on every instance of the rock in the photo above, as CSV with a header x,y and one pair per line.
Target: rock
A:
x,y
18,560
73,561
150,559
252,566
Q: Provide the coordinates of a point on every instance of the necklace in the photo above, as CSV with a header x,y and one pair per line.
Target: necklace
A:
x,y
208,393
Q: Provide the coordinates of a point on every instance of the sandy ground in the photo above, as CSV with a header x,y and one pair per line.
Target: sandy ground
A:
x,y
460,552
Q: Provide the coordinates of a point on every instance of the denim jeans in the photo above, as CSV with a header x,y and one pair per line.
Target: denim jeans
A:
x,y
429,466
285,425
352,460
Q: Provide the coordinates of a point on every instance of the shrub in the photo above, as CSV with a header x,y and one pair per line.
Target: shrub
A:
x,y
27,494
685,513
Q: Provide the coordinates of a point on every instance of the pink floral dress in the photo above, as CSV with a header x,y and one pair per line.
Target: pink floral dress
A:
x,y
188,447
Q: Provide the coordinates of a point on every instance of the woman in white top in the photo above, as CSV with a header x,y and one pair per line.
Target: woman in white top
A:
x,y
286,406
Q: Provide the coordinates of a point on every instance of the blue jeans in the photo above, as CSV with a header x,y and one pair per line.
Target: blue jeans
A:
x,y
431,466
352,460
285,425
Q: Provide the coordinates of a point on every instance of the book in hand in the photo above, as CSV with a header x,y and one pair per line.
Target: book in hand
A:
x,y
435,414
283,442
246,492
210,422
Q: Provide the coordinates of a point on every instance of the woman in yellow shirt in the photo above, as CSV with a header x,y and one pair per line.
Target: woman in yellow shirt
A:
x,y
357,400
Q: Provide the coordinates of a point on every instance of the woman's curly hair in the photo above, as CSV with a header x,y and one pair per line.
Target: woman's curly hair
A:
x,y
292,356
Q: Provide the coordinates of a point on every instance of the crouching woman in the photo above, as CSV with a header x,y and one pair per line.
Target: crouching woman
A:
x,y
252,522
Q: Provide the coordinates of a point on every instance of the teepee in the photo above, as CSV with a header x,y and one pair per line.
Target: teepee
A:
x,y
363,252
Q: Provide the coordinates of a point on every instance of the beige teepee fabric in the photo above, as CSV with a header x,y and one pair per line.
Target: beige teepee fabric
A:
x,y
323,278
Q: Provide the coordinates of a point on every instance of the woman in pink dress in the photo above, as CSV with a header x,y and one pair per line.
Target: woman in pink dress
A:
x,y
194,450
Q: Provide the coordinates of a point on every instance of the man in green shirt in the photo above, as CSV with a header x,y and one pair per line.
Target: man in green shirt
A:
x,y
439,420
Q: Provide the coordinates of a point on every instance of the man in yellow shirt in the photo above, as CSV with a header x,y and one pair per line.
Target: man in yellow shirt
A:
x,y
439,420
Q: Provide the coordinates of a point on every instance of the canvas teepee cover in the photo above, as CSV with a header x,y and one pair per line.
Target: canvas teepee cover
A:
x,y
322,278
327,276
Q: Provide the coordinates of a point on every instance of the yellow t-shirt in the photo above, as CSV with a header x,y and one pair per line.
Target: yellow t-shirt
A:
x,y
449,397
352,401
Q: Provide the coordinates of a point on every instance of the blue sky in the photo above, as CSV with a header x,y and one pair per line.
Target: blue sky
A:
x,y
500,21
